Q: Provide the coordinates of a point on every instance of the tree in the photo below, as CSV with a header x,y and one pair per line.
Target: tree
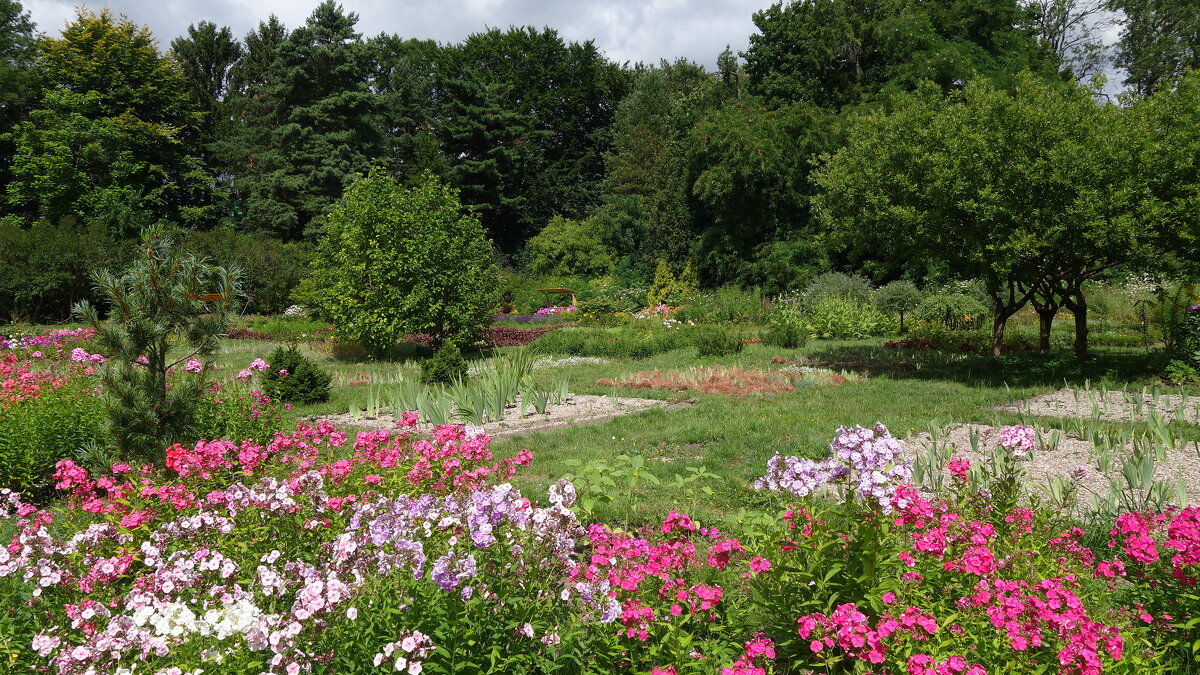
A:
x,y
748,170
207,55
834,53
1160,39
164,311
1035,188
898,297
406,85
19,77
1072,30
107,139
398,260
557,100
308,131
568,248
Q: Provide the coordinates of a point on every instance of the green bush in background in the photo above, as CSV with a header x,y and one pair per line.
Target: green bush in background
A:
x,y
713,341
294,378
447,365
841,318
953,310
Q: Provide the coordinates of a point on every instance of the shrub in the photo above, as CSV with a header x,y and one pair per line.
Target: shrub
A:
x,y
598,305
837,285
398,260
787,330
727,304
668,289
898,298
634,343
166,310
567,247
292,377
1186,342
445,366
34,434
714,341
271,269
952,310
844,318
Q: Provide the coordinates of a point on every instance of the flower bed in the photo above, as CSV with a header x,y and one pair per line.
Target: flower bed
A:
x,y
315,552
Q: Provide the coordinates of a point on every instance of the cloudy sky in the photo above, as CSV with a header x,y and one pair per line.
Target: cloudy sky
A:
x,y
626,30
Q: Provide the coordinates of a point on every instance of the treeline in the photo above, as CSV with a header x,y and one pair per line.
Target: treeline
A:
x,y
576,165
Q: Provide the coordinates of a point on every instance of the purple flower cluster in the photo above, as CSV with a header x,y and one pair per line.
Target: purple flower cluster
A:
x,y
869,461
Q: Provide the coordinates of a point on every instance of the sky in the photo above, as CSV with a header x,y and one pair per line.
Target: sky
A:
x,y
625,30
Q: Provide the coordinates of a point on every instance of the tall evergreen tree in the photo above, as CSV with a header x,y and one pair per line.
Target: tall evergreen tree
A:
x,y
107,139
567,94
19,80
405,82
207,55
314,132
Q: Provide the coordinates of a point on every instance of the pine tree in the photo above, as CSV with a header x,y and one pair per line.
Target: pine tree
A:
x,y
308,131
19,78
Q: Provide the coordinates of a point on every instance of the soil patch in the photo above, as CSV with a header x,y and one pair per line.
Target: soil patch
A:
x,y
1071,453
577,409
1118,406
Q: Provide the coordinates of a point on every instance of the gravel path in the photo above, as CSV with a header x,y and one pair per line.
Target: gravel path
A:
x,y
1181,462
1113,405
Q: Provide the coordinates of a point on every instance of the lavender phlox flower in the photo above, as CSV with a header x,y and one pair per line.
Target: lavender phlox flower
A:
x,y
869,460
450,570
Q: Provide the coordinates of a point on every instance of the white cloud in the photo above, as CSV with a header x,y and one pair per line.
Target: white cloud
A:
x,y
625,30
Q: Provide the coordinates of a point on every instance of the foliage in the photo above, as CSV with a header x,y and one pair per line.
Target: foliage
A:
x,y
716,341
305,132
271,269
1157,42
749,169
787,329
46,412
911,179
1186,343
952,310
838,285
835,53
292,377
398,260
725,304
668,288
159,318
568,247
45,268
445,366
104,141
634,343
898,298
843,318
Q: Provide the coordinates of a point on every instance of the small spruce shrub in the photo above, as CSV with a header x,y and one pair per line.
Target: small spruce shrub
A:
x,y
295,378
838,285
445,366
718,342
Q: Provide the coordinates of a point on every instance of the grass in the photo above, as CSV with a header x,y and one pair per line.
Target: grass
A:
x,y
734,436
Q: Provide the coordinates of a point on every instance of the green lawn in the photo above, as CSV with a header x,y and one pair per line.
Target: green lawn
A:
x,y
732,437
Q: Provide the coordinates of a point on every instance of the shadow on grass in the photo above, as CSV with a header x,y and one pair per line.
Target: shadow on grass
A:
x,y
1018,369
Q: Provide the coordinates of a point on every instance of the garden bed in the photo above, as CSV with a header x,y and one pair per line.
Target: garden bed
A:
x,y
576,410
1071,459
1117,406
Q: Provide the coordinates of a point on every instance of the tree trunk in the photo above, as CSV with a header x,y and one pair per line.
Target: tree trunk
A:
x,y
998,323
1081,327
1045,324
